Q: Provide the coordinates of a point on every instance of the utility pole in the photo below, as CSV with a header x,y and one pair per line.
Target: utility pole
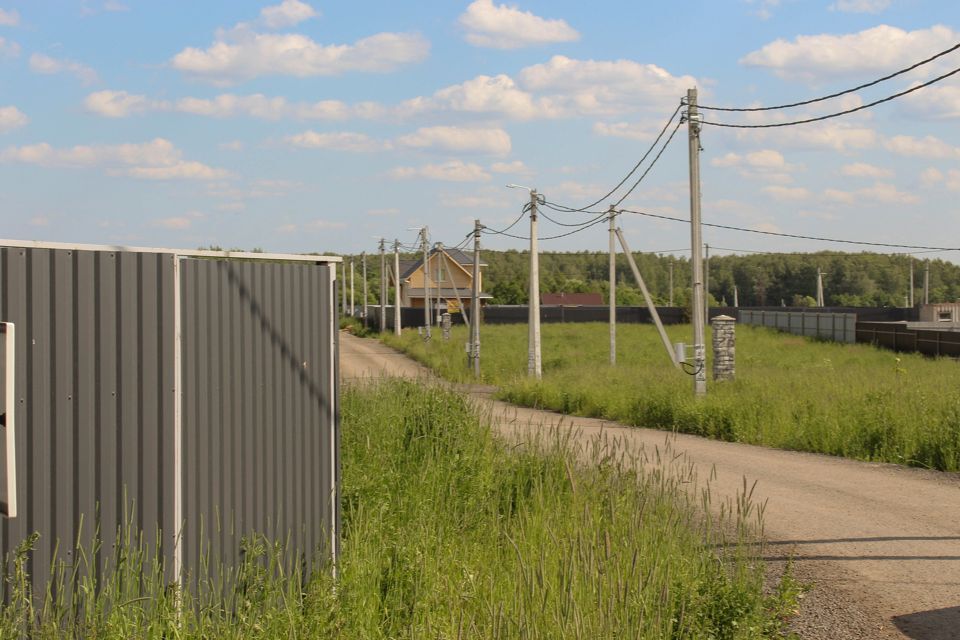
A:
x,y
475,302
426,288
612,214
383,288
671,281
353,306
363,257
696,245
819,287
736,297
533,354
396,283
926,283
706,285
438,252
911,282
343,289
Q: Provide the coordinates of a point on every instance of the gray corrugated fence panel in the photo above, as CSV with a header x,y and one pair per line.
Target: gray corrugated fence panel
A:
x,y
259,406
94,398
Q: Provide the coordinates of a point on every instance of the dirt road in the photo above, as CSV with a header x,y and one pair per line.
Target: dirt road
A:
x,y
881,543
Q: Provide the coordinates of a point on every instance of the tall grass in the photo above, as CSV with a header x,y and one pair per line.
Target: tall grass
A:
x,y
450,533
790,392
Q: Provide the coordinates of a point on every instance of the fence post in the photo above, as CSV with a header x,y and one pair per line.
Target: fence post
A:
x,y
724,347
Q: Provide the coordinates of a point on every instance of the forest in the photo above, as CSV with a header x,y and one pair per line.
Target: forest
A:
x,y
789,279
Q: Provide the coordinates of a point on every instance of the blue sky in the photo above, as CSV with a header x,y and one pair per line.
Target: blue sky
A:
x,y
316,126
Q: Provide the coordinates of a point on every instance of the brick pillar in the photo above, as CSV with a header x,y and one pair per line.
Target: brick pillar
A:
x,y
724,347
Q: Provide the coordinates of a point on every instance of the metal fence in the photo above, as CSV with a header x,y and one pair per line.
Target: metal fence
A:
x,y
173,393
900,337
839,327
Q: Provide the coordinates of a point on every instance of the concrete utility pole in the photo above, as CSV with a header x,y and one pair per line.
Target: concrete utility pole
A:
x,y
911,283
819,287
353,306
736,296
926,283
438,252
363,257
533,355
706,285
671,281
696,246
475,302
383,288
612,214
396,284
343,289
426,288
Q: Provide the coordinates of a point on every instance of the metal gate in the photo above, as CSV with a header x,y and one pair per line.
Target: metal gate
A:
x,y
189,394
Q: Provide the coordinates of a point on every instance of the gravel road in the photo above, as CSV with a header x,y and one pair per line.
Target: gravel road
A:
x,y
879,542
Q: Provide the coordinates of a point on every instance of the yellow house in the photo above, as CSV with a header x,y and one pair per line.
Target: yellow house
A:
x,y
449,276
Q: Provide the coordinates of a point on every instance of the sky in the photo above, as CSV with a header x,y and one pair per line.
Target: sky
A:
x,y
295,126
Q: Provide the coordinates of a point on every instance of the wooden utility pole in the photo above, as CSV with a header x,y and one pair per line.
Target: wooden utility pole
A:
x,y
533,355
613,285
696,246
383,288
475,302
396,284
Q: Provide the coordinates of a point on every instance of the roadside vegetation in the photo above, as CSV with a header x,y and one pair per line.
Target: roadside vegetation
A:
x,y
449,532
790,392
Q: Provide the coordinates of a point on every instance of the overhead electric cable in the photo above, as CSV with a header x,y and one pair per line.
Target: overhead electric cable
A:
x,y
793,235
838,113
635,167
584,227
839,93
486,229
652,164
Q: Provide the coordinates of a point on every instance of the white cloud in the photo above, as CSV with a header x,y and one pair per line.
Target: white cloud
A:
x,y
11,118
836,195
232,145
460,139
764,8
516,168
225,105
242,54
9,48
834,136
461,201
766,164
40,63
882,192
628,130
939,101
119,104
286,14
931,176
175,223
878,50
384,212
778,192
453,171
860,6
483,94
501,26
340,141
158,159
323,225
9,18
865,170
926,147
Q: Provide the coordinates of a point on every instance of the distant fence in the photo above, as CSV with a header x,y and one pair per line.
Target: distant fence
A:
x,y
900,337
839,327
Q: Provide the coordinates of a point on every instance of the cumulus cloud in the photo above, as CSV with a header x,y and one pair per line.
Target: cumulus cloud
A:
x,y
865,170
9,48
931,176
242,54
501,26
875,50
765,164
11,118
881,192
514,168
120,104
158,159
460,139
834,136
452,171
926,147
497,95
778,192
628,130
9,18
339,141
286,14
860,6
938,102
40,63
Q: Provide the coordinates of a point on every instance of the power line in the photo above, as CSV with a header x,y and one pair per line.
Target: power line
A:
x,y
838,113
793,235
503,231
583,227
635,167
839,93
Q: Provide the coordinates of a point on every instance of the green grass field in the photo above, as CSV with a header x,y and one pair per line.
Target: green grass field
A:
x,y
450,533
791,392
